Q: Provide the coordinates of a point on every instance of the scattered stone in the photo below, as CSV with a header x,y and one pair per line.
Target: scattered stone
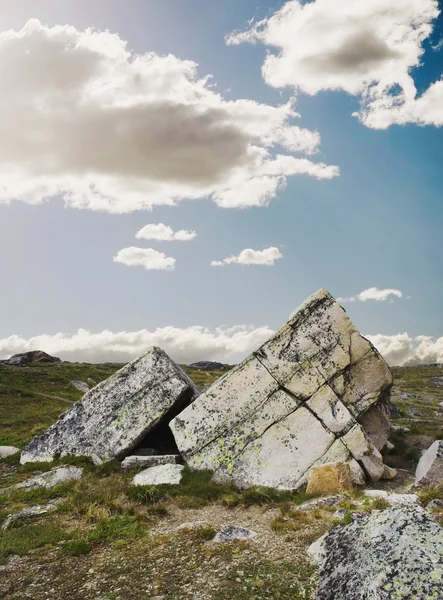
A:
x,y
329,479
208,365
80,385
193,525
394,413
291,405
28,513
430,466
6,451
389,446
400,428
162,474
397,553
373,465
388,473
149,461
415,412
399,499
340,513
358,476
114,416
24,359
229,533
376,494
437,380
326,501
437,503
49,480
406,396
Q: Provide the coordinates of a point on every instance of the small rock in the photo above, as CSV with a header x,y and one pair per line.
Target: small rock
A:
x,y
400,499
229,533
6,451
162,474
430,466
376,494
340,513
28,513
51,478
329,478
406,396
436,503
327,501
80,385
437,380
149,461
388,473
415,412
389,446
400,428
192,525
373,465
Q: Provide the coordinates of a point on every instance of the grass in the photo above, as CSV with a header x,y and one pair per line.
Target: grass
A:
x,y
27,537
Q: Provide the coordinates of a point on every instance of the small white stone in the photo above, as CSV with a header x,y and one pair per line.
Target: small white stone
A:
x,y
162,474
6,451
376,494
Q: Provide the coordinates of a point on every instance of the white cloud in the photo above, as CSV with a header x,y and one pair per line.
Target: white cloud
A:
x,y
109,130
161,232
374,294
251,257
367,48
402,349
148,258
185,345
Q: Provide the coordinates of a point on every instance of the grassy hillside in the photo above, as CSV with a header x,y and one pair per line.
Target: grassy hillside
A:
x,y
110,541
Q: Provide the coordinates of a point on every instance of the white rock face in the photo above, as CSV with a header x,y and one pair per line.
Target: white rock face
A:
x,y
118,413
395,554
293,404
149,461
6,451
162,474
430,467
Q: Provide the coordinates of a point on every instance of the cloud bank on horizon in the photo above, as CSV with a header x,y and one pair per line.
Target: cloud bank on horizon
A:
x,y
108,130
190,344
367,49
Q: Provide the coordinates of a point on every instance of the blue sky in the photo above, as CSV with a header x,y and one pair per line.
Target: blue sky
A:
x,y
377,224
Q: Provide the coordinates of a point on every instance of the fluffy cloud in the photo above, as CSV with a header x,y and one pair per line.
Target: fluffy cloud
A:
x,y
109,130
402,349
375,294
366,48
251,257
148,258
186,345
183,345
164,233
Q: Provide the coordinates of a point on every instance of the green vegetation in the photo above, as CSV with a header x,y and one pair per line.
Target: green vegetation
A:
x,y
131,532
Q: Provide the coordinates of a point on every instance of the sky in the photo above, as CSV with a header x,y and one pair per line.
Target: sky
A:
x,y
185,173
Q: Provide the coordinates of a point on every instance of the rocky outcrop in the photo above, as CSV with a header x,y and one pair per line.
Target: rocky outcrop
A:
x,y
430,466
116,415
22,360
48,480
208,365
395,554
292,405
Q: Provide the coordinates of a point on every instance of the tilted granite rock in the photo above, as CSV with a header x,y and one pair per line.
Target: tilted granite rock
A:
x,y
395,554
430,466
117,414
293,404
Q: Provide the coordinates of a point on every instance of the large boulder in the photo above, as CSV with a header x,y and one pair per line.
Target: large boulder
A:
x,y
116,415
430,466
397,553
292,405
